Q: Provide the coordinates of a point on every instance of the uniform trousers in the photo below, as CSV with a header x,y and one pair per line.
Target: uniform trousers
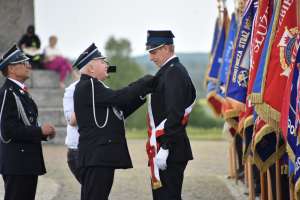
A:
x,y
96,182
171,179
20,187
72,157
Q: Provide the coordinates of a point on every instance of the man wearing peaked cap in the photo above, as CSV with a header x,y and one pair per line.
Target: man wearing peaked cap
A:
x,y
100,113
21,157
157,39
168,111
91,53
12,56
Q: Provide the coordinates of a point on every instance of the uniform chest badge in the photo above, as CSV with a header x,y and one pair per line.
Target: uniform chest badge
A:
x,y
118,113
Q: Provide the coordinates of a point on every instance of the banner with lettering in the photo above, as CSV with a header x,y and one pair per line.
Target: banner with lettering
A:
x,y
277,64
236,86
227,55
259,34
288,120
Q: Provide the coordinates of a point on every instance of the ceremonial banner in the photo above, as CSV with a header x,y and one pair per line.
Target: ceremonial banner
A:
x,y
297,167
237,82
260,30
255,96
227,55
259,33
293,123
214,42
153,146
230,114
265,144
276,66
217,54
247,136
212,82
213,46
214,100
288,121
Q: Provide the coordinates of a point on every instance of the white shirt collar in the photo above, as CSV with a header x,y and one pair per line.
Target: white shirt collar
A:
x,y
22,85
174,56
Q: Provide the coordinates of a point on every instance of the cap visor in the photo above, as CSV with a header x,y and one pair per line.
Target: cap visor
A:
x,y
151,49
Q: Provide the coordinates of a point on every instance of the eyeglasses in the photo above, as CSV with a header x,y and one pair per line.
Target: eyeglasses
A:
x,y
26,63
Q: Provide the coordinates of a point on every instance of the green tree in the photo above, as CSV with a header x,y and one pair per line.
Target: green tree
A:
x,y
201,119
118,52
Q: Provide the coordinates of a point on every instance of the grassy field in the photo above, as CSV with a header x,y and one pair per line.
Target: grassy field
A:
x,y
193,133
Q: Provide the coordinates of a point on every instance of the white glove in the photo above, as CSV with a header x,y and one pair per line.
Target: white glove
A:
x,y
161,158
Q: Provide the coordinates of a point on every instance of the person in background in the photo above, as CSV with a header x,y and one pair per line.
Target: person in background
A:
x,y
21,156
72,129
30,44
53,60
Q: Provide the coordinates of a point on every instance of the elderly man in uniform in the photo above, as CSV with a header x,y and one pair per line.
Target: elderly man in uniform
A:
x,y
100,113
169,107
21,157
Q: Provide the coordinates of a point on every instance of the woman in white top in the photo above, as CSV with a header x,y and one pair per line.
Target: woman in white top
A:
x,y
55,61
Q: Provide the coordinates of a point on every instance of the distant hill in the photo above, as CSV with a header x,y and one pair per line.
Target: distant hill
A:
x,y
195,63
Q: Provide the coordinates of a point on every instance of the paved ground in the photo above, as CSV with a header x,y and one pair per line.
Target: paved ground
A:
x,y
205,176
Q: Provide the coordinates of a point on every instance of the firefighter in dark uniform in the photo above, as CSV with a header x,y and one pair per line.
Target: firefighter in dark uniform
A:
x,y
100,113
170,105
21,157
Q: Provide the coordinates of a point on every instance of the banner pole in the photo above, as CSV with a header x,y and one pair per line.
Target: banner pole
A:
x,y
250,179
263,194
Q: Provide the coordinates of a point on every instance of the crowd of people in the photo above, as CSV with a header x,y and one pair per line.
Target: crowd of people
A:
x,y
49,58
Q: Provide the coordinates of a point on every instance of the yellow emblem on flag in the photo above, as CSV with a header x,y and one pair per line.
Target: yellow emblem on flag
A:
x,y
287,49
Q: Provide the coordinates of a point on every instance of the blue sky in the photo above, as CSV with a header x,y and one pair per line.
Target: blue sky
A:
x,y
78,23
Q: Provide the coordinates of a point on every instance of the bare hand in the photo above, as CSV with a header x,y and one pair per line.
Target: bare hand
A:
x,y
48,130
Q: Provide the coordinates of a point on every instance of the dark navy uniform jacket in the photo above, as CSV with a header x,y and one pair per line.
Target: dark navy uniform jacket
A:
x,y
105,146
22,155
173,94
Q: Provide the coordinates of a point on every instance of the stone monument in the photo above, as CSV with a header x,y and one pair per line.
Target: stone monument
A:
x,y
15,16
